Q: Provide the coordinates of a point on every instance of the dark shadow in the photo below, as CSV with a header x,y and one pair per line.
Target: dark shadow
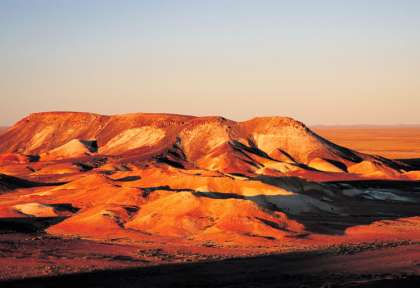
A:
x,y
218,195
253,149
90,163
8,183
64,207
413,163
28,224
340,151
91,145
33,158
128,178
324,208
288,156
412,186
299,269
291,183
170,162
338,164
348,211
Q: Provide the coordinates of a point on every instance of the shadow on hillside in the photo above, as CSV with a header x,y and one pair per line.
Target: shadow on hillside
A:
x,y
27,224
321,207
324,208
413,163
9,183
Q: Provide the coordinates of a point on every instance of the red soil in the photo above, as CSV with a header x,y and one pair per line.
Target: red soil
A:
x,y
204,185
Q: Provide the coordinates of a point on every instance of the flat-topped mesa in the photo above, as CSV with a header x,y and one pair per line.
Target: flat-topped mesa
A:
x,y
41,132
119,123
275,121
211,142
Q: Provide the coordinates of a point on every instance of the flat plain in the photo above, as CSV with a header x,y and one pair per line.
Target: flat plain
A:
x,y
397,142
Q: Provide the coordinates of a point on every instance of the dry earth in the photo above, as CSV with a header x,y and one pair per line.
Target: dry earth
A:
x,y
82,193
397,142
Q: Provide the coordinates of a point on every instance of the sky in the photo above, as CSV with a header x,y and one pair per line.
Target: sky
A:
x,y
322,62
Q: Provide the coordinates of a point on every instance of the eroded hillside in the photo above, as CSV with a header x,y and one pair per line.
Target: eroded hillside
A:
x,y
265,182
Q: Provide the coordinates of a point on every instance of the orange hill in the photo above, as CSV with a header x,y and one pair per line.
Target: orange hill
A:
x,y
162,176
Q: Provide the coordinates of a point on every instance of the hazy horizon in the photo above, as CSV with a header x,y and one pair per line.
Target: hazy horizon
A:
x,y
321,62
313,125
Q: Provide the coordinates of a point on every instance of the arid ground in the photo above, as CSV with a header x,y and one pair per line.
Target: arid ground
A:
x,y
397,142
161,200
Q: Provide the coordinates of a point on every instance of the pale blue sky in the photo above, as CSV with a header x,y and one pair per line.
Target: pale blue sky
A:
x,y
322,62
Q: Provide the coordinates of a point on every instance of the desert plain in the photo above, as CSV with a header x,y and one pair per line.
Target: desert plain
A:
x,y
395,142
163,200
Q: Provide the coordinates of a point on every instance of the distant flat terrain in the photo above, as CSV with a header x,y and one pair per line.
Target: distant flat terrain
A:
x,y
388,141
